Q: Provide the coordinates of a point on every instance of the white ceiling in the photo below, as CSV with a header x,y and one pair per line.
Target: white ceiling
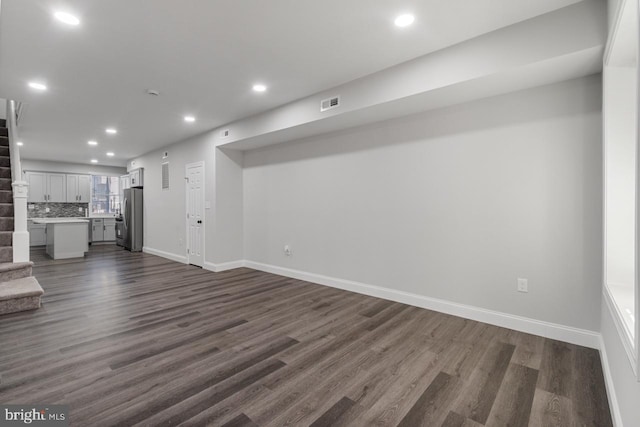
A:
x,y
203,56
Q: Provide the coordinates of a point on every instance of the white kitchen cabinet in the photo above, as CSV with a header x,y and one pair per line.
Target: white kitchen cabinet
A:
x,y
109,229
103,230
57,187
37,234
137,178
37,186
125,182
47,187
78,188
97,230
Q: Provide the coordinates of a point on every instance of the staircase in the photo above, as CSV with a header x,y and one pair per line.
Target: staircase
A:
x,y
19,290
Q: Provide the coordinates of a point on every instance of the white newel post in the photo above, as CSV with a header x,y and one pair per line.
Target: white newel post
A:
x,y
20,189
20,232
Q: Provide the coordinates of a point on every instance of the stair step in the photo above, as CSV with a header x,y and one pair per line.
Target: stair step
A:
x,y
6,224
6,210
5,161
4,141
6,196
4,151
5,184
3,123
15,270
20,295
5,172
4,131
6,239
6,254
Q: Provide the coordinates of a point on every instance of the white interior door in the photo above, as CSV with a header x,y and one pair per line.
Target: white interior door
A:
x,y
195,214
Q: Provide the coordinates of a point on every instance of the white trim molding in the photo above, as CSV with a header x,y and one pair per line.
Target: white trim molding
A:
x,y
173,257
555,331
616,416
217,268
625,339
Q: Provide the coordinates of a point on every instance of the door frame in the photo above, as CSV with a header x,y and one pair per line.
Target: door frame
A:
x,y
186,208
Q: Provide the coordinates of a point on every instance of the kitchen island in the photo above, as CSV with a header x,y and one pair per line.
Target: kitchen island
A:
x,y
66,237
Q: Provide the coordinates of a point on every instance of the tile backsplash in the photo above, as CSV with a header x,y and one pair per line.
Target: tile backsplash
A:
x,y
56,210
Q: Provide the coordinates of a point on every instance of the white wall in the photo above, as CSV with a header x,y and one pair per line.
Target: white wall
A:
x,y
620,154
453,204
165,210
45,166
536,51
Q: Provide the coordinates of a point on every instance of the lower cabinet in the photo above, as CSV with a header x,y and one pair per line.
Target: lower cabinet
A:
x,y
110,230
103,230
37,234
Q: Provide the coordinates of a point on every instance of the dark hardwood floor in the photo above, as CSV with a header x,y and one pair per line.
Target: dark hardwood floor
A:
x,y
133,339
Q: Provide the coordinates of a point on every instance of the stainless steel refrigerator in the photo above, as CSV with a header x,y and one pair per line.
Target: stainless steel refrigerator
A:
x,y
132,219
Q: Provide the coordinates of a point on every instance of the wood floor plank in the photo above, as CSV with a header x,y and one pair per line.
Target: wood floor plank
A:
x,y
556,368
590,403
550,410
240,421
432,407
456,420
481,390
512,406
332,416
133,339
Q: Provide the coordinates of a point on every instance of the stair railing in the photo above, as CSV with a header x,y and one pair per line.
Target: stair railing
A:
x,y
20,189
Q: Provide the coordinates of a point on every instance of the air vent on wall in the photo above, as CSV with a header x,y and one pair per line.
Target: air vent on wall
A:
x,y
225,133
329,103
165,176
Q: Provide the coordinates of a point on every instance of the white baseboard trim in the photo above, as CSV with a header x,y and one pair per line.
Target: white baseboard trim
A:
x,y
217,268
163,254
608,380
555,331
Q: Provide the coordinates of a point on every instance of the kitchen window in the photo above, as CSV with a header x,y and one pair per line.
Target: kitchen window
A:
x,y
105,195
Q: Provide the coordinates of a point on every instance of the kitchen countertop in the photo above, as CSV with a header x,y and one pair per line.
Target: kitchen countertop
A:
x,y
60,220
73,217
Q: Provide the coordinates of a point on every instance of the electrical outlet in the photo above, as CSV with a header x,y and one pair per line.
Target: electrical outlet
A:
x,y
80,209
523,285
287,250
47,210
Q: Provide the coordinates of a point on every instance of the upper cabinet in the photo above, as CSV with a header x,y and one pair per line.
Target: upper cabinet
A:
x,y
136,178
78,188
57,185
37,186
47,187
125,182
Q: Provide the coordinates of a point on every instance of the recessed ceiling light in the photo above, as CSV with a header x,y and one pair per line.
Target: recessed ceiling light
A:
x,y
404,20
94,161
259,87
189,119
37,86
20,144
110,154
67,18
112,131
92,142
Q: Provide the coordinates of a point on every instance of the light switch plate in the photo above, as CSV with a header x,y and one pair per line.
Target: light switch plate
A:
x,y
523,285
